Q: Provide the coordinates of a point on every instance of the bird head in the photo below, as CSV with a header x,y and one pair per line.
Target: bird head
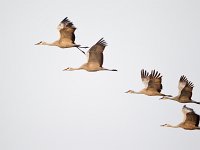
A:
x,y
165,125
40,43
130,91
67,69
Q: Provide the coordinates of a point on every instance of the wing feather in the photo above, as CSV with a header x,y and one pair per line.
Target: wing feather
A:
x,y
192,119
186,92
155,81
145,77
96,52
67,29
182,83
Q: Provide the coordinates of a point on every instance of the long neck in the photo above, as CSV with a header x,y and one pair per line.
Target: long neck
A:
x,y
51,44
173,126
138,92
135,92
171,98
72,69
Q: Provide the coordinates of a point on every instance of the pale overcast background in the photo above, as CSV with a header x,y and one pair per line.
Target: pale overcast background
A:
x,y
44,108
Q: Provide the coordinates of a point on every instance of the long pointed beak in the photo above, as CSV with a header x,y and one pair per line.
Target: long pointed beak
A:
x,y
38,43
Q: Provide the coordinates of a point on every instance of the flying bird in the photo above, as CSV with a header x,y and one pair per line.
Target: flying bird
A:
x,y
152,82
190,121
95,58
185,92
67,36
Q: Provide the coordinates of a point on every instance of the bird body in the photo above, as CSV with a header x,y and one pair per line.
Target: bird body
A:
x,y
95,58
67,36
152,82
190,120
185,92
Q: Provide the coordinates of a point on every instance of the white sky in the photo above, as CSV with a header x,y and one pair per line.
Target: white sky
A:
x,y
44,108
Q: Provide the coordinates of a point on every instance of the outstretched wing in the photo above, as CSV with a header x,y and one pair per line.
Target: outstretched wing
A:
x,y
96,52
185,88
145,77
155,80
192,119
67,29
182,83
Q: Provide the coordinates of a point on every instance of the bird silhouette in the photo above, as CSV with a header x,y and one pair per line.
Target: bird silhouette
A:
x,y
95,58
152,82
190,120
185,92
67,36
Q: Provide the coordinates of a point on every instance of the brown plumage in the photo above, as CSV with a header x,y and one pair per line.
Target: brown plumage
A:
x,y
67,36
95,58
185,92
190,121
152,82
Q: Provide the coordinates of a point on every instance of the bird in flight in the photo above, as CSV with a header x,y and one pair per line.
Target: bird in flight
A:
x,y
95,58
185,92
190,121
67,36
152,82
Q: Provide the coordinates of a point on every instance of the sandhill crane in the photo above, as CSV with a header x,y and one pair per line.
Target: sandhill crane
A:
x,y
185,92
152,84
95,58
190,121
67,36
